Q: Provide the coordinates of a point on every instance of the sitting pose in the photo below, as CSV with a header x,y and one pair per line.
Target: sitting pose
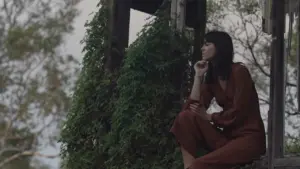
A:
x,y
234,136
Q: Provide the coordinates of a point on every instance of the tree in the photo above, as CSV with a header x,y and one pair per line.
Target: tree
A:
x,y
35,77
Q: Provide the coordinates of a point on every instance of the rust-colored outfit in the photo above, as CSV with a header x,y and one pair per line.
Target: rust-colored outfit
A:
x,y
243,136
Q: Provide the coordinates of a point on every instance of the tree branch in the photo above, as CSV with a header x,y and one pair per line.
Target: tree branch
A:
x,y
25,153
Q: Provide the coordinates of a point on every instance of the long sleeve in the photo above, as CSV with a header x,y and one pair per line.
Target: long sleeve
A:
x,y
242,96
205,98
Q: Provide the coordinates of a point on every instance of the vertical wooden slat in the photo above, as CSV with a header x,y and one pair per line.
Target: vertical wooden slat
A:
x,y
298,57
119,34
271,106
181,6
110,22
178,14
279,80
277,85
199,27
173,12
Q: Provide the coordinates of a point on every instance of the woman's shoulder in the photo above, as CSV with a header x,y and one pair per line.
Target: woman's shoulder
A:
x,y
240,69
239,66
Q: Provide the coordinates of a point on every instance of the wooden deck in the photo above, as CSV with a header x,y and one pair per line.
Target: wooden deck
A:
x,y
291,161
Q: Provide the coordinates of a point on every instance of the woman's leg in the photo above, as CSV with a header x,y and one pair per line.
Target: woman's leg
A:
x,y
194,133
188,159
238,151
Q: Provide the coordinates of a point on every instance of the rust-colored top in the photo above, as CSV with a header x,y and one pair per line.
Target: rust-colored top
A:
x,y
241,113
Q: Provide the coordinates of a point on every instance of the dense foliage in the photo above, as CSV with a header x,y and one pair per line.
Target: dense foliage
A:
x,y
88,120
149,98
149,94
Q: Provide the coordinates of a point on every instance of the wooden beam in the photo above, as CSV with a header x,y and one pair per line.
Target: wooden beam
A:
x,y
287,162
199,32
270,154
178,8
110,22
181,8
173,12
279,80
298,58
119,34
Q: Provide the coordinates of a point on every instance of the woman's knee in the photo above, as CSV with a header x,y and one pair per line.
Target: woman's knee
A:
x,y
186,116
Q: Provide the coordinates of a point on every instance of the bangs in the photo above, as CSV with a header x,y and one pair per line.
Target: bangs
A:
x,y
212,37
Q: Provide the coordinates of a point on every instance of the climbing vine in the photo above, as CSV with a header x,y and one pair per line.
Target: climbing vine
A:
x,y
88,120
149,89
126,125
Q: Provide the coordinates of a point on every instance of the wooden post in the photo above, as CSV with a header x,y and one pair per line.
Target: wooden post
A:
x,y
279,79
298,58
173,12
271,106
119,34
178,14
180,22
200,27
110,22
277,85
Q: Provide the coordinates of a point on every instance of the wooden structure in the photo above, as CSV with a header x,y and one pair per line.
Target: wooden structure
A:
x,y
192,13
276,115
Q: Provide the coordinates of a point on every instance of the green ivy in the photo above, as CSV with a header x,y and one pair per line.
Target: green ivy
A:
x,y
88,120
126,125
149,89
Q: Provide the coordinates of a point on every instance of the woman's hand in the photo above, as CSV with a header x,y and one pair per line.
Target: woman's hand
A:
x,y
200,68
200,111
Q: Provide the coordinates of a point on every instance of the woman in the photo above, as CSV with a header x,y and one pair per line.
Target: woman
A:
x,y
233,136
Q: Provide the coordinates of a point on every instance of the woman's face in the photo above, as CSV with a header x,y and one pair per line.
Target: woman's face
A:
x,y
208,51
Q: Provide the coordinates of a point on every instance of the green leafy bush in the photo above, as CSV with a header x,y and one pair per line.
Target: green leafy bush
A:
x,y
89,118
149,89
126,125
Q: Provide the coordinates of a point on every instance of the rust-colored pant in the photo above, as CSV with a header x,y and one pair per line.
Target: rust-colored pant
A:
x,y
194,133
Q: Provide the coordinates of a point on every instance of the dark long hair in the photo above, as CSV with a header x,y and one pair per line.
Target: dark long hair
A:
x,y
220,65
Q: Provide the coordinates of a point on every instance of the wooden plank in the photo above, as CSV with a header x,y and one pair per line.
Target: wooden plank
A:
x,y
277,86
270,153
120,34
199,26
287,162
180,23
146,6
151,6
291,162
298,58
173,12
178,14
110,22
279,80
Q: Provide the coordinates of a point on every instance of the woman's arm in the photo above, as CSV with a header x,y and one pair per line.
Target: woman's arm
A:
x,y
196,92
242,97
200,96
